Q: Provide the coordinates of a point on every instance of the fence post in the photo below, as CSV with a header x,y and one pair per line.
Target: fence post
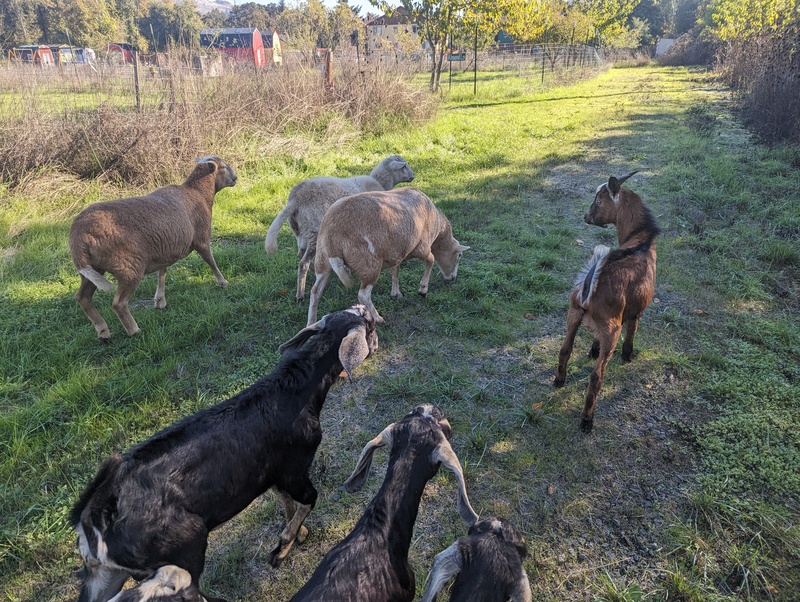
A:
x,y
136,80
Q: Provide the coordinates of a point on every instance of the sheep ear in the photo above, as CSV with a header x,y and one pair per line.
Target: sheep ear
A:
x,y
445,454
302,336
461,248
353,350
447,563
356,480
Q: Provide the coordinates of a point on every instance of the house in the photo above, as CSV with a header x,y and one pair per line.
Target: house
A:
x,y
392,32
239,44
273,53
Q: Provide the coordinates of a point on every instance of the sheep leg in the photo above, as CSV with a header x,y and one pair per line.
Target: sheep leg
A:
x,y
289,510
627,345
365,297
607,343
316,292
125,288
161,299
84,298
302,272
574,319
101,582
396,294
426,275
204,250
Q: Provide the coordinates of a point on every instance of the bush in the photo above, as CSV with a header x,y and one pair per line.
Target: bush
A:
x,y
688,50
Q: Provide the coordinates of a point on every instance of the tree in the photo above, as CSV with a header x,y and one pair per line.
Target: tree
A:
x,y
342,22
18,23
165,24
307,26
215,19
730,20
250,14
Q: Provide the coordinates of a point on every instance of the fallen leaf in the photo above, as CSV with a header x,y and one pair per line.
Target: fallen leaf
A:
x,y
551,489
701,312
531,316
537,406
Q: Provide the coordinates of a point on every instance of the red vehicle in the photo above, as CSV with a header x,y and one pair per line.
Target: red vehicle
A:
x,y
241,44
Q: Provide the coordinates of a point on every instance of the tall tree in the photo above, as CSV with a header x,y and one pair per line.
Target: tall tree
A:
x,y
167,24
250,14
342,22
18,23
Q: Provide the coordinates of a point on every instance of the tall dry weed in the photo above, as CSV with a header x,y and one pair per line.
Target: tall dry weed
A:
x,y
89,125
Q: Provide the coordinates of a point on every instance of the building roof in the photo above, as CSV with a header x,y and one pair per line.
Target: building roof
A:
x,y
399,16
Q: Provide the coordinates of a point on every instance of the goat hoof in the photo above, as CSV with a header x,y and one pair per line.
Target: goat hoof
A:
x,y
558,382
587,424
627,357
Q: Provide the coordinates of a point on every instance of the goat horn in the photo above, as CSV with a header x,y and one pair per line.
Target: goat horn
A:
x,y
623,178
356,480
305,334
445,454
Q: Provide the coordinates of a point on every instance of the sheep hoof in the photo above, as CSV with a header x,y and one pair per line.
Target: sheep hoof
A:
x,y
161,303
423,294
223,283
299,300
587,424
397,296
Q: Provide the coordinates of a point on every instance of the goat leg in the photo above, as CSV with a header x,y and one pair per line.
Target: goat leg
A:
x,y
289,534
607,344
627,345
574,318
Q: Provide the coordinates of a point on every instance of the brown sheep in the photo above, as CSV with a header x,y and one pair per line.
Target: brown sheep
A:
x,y
614,288
368,232
135,236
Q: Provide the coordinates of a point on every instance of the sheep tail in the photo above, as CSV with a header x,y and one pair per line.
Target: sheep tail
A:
x,y
97,278
271,241
587,278
341,270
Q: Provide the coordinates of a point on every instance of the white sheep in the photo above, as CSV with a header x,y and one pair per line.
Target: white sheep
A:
x,y
135,236
309,200
368,232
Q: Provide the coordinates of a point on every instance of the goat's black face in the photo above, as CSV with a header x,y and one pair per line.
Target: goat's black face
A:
x,y
502,529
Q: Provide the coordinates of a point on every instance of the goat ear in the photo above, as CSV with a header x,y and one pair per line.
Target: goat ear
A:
x,y
445,454
447,563
356,480
302,336
613,186
353,350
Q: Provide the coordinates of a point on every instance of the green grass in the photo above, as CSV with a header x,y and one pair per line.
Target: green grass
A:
x,y
687,488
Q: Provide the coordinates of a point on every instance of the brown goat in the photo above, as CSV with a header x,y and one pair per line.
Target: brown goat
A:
x,y
614,288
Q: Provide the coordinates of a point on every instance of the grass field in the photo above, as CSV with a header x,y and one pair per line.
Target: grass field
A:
x,y
686,490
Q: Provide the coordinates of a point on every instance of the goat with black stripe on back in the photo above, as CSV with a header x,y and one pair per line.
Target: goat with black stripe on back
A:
x,y
614,288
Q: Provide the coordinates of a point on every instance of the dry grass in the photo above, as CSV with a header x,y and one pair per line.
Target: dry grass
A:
x,y
88,126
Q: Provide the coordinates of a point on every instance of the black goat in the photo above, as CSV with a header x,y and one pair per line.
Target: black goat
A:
x,y
488,562
156,504
371,563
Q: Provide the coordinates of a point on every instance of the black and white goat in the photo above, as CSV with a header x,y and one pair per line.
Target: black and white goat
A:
x,y
155,504
371,563
488,565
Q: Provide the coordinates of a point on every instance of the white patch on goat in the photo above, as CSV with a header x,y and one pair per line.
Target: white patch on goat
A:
x,y
83,545
587,278
370,246
599,188
426,410
168,581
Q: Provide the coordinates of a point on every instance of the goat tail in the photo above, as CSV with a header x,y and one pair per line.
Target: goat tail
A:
x,y
271,241
97,278
587,278
342,271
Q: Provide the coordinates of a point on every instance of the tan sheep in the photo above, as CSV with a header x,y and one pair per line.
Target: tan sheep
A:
x,y
135,236
309,200
368,232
